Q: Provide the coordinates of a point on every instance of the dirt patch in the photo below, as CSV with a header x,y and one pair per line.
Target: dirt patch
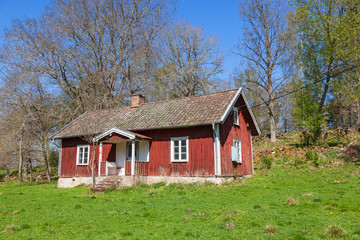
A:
x,y
352,151
10,228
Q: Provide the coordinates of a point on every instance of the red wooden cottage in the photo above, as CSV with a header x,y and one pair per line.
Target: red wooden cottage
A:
x,y
199,137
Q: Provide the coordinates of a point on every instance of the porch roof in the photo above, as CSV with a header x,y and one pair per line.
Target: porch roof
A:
x,y
126,134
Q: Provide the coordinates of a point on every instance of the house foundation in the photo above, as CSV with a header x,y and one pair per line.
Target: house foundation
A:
x,y
124,181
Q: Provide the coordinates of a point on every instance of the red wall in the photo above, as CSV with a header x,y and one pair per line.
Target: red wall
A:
x,y
229,132
68,158
201,152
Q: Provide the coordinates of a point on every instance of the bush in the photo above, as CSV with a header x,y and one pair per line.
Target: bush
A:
x,y
347,159
313,156
266,162
298,162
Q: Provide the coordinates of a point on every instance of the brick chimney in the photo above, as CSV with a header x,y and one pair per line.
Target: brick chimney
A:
x,y
136,100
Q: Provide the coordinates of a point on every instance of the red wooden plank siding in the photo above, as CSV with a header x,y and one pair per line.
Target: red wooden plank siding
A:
x,y
141,168
127,167
201,152
103,169
114,136
229,132
68,158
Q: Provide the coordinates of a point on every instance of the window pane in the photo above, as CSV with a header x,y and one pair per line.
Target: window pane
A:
x,y
183,149
176,143
176,149
80,155
183,142
86,149
176,156
128,151
136,150
183,156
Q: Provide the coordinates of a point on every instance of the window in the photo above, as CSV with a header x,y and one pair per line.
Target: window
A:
x,y
82,154
237,145
129,149
236,115
180,149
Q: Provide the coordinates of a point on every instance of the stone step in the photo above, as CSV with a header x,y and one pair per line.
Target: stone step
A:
x,y
108,183
98,189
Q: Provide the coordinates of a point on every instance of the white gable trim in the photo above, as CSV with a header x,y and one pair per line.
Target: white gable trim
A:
x,y
231,105
124,133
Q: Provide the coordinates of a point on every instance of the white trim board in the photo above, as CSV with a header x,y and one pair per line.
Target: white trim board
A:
x,y
124,133
231,105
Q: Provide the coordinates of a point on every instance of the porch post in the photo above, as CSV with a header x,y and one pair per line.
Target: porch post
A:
x,y
100,159
133,158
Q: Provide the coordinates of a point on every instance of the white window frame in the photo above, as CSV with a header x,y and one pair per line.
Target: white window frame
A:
x,y
173,151
237,144
236,115
77,155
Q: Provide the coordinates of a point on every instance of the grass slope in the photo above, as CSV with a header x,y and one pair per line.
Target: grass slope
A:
x,y
251,209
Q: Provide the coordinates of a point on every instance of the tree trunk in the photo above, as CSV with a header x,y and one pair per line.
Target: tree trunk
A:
x,y
20,160
31,172
7,173
44,153
358,115
26,167
272,121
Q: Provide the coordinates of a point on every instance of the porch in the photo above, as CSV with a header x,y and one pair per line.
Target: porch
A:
x,y
123,153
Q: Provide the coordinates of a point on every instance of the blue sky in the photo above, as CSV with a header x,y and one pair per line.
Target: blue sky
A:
x,y
219,17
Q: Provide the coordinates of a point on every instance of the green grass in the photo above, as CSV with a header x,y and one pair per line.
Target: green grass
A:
x,y
256,209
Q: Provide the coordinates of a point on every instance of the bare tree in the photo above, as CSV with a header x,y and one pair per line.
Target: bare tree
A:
x,y
190,60
264,50
28,117
87,49
89,138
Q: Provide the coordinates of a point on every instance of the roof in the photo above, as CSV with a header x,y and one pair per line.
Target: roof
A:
x,y
173,113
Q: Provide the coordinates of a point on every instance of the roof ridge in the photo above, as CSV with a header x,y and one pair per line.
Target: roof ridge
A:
x,y
165,100
194,96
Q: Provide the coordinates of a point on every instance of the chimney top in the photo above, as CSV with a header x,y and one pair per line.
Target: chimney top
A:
x,y
137,100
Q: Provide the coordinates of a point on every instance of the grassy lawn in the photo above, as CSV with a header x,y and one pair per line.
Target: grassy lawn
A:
x,y
321,197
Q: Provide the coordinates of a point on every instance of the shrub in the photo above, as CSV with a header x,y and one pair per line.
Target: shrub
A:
x,y
347,159
266,162
313,156
335,231
298,162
